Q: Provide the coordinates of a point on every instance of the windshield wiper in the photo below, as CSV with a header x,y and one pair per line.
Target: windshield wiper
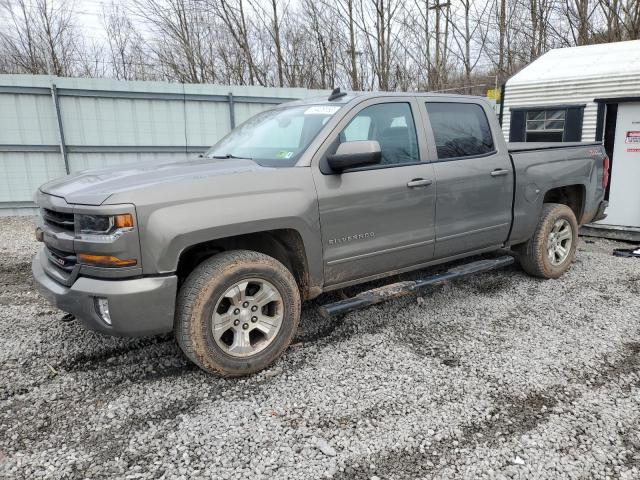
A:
x,y
231,155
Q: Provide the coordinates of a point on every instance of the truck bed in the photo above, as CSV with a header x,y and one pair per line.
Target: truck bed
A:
x,y
531,146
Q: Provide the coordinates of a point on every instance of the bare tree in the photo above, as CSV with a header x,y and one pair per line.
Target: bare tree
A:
x,y
127,55
622,19
578,15
323,40
376,22
345,12
234,18
183,33
631,9
469,35
271,17
452,45
42,38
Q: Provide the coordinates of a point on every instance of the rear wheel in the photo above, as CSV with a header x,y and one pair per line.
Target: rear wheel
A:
x,y
237,312
552,248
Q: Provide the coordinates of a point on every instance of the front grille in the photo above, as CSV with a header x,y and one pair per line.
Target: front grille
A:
x,y
63,260
61,220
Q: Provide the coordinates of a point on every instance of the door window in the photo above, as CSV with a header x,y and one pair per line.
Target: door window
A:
x,y
358,129
460,129
392,125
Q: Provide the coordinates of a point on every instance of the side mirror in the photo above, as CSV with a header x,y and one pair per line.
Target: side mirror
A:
x,y
355,154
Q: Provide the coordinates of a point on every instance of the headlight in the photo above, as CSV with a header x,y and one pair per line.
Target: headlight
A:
x,y
102,227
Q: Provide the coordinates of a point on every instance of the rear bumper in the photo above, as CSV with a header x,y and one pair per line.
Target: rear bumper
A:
x,y
141,306
600,213
595,214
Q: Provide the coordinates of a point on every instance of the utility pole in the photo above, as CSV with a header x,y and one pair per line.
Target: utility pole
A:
x,y
439,51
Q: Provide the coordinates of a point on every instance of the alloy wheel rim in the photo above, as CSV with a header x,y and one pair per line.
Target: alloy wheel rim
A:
x,y
559,242
247,317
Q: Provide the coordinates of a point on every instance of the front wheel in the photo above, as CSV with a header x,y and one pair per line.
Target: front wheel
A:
x,y
552,248
237,312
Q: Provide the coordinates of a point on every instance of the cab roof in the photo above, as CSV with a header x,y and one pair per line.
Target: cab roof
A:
x,y
356,96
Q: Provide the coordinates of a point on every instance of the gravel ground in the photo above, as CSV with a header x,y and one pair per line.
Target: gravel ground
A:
x,y
495,376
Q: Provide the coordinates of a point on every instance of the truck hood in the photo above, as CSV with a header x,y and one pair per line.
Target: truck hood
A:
x,y
94,187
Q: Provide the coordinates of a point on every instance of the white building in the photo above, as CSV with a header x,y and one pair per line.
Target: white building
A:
x,y
589,93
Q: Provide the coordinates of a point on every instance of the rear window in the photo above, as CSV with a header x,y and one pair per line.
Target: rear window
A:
x,y
460,129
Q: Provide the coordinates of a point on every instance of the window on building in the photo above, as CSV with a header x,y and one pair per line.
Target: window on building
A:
x,y
545,125
550,123
460,129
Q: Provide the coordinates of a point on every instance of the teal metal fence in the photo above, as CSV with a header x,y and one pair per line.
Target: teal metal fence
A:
x,y
51,126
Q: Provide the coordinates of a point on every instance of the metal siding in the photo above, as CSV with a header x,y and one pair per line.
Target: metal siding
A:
x,y
207,122
108,113
85,161
117,121
22,173
578,91
245,111
27,119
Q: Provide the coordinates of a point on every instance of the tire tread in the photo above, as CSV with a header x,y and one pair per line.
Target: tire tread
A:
x,y
531,253
190,338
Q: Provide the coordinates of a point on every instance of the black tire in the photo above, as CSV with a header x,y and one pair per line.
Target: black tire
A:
x,y
534,256
202,292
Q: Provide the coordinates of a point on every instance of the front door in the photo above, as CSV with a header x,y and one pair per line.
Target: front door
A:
x,y
474,178
380,218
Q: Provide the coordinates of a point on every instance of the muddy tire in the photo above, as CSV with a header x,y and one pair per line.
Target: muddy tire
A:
x,y
237,312
552,248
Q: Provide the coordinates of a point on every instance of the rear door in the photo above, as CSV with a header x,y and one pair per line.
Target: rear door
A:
x,y
474,178
379,218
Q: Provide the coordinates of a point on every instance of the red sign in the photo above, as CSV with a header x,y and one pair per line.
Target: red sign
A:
x,y
633,136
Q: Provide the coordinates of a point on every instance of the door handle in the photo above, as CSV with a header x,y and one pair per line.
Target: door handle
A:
x,y
499,172
419,182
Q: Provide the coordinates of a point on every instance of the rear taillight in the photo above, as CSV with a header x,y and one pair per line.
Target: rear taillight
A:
x,y
605,171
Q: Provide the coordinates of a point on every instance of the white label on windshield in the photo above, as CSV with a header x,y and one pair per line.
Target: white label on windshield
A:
x,y
321,110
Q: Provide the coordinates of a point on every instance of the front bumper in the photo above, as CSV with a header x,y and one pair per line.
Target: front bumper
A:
x,y
141,306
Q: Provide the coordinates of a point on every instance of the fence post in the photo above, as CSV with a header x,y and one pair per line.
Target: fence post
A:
x,y
63,146
232,111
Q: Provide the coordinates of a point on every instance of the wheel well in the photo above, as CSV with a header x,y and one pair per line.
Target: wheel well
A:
x,y
571,196
284,245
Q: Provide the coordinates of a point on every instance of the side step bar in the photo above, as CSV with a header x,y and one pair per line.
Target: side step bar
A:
x,y
400,289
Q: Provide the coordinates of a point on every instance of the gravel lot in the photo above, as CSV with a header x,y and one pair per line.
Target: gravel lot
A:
x,y
496,376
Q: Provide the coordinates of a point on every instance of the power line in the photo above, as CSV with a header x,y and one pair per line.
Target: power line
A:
x,y
94,60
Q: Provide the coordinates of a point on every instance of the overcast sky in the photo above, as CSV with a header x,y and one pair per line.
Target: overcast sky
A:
x,y
90,15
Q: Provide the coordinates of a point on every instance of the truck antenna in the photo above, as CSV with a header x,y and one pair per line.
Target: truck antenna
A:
x,y
336,94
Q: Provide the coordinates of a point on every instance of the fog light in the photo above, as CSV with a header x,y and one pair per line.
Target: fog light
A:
x,y
102,307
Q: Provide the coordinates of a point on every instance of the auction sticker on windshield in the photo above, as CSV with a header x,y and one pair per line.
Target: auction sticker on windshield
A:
x,y
284,154
321,110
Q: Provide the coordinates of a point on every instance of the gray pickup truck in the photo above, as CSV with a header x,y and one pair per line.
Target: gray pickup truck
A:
x,y
307,197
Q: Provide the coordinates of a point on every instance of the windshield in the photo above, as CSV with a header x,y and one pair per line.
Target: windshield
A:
x,y
276,137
